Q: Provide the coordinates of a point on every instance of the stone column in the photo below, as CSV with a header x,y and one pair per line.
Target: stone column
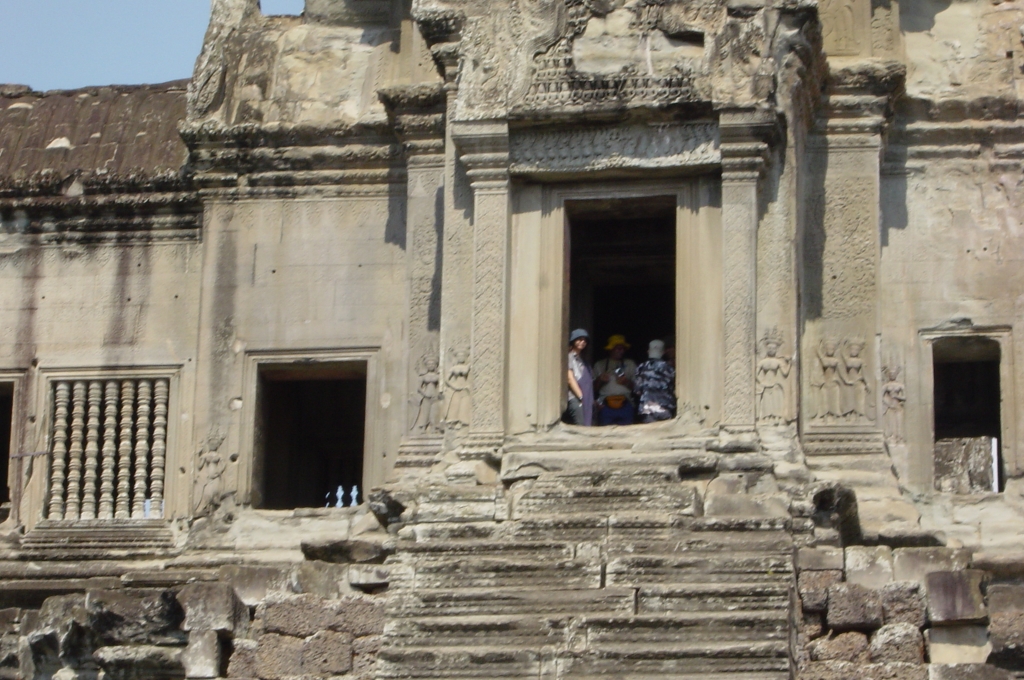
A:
x,y
417,115
841,269
484,152
745,139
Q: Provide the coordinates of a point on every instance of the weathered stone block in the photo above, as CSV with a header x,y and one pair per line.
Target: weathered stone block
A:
x,y
846,670
306,615
368,576
813,587
813,625
213,606
202,657
130,617
10,620
914,564
728,505
130,662
904,602
819,559
868,566
955,596
361,616
958,644
365,651
322,579
278,657
1006,625
897,643
851,646
327,653
853,607
963,465
253,584
347,551
243,662
967,671
1006,630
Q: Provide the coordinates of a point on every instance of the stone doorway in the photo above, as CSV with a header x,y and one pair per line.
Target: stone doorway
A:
x,y
6,422
310,431
967,398
622,270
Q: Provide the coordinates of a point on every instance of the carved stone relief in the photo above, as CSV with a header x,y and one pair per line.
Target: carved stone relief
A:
x,y
636,146
460,400
894,397
774,382
842,384
209,481
429,414
846,25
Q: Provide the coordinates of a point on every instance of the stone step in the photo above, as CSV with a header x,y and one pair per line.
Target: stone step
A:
x,y
606,500
489,572
480,548
680,659
479,663
707,597
690,627
745,660
513,632
512,601
698,567
525,631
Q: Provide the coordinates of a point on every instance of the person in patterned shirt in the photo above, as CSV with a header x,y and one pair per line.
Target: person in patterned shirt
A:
x,y
655,385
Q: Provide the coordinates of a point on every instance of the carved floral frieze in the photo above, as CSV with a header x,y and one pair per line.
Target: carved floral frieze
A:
x,y
636,146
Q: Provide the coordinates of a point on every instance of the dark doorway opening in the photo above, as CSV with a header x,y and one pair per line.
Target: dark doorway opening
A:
x,y
967,393
6,423
309,435
622,271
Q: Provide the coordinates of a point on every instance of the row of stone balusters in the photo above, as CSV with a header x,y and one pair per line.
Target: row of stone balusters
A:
x,y
109,448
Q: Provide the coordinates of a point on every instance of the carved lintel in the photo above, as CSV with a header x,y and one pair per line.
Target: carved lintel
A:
x,y
747,137
484,150
591,149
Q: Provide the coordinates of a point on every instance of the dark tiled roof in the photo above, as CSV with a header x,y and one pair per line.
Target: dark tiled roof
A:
x,y
123,130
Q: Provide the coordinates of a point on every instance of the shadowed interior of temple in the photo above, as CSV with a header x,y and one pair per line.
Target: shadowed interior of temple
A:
x,y
622,271
309,438
6,412
968,398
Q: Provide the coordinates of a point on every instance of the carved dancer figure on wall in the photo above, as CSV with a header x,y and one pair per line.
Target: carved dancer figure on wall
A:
x,y
773,381
209,483
429,415
830,387
856,390
460,401
894,397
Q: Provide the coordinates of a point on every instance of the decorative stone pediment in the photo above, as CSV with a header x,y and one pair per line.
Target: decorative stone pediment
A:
x,y
614,148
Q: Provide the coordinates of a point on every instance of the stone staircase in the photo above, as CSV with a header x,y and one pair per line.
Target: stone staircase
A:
x,y
588,573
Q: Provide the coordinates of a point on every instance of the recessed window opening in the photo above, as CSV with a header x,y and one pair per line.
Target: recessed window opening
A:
x,y
967,415
622,272
309,435
282,7
6,421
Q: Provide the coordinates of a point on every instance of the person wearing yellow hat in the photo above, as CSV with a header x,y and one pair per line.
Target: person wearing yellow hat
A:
x,y
615,375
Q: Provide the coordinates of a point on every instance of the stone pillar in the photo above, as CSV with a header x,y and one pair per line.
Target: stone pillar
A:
x,y
745,142
841,268
484,152
417,115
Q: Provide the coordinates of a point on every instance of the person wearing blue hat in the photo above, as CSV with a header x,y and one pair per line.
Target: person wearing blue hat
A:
x,y
580,407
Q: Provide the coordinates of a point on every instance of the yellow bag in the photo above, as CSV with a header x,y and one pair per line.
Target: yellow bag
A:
x,y
615,401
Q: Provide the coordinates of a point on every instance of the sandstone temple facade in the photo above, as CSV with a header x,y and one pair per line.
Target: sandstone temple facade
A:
x,y
283,347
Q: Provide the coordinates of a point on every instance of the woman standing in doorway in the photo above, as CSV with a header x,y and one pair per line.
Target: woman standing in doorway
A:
x,y
580,407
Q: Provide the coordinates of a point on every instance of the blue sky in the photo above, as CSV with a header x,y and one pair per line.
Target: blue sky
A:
x,y
61,44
